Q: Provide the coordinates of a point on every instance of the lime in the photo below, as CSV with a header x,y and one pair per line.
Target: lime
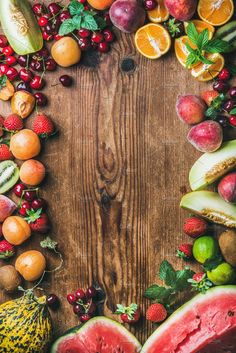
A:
x,y
205,248
222,274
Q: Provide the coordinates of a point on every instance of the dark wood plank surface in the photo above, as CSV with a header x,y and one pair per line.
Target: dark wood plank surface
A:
x,y
115,176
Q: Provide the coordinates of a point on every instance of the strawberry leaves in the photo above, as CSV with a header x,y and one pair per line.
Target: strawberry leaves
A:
x,y
3,81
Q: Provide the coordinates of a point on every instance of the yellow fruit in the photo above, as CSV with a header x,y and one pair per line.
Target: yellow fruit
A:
x,y
215,12
159,14
181,50
66,52
200,26
152,40
204,72
31,265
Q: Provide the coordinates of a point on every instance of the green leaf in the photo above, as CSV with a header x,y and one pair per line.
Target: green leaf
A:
x,y
210,264
203,39
66,27
204,60
101,23
211,112
191,59
233,111
167,273
192,33
182,278
190,49
155,292
77,21
76,8
3,81
217,46
89,22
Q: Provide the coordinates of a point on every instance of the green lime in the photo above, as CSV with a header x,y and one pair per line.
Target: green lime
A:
x,y
222,274
205,248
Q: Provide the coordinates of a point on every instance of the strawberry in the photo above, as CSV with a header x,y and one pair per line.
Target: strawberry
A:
x,y
1,125
13,123
43,126
185,251
208,96
38,221
5,152
128,314
195,227
6,250
198,277
200,282
156,313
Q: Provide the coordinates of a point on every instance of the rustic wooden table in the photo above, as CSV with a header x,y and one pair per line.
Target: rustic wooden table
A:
x,y
115,175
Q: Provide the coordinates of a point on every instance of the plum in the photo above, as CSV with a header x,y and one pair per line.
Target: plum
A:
x,y
7,207
191,109
206,136
227,188
182,10
127,15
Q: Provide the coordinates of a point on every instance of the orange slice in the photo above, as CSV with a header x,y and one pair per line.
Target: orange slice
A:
x,y
181,50
200,26
159,14
152,40
206,72
215,12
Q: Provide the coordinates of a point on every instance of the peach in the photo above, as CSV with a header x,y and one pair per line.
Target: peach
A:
x,y
227,188
32,172
182,10
7,207
25,144
208,96
191,109
206,136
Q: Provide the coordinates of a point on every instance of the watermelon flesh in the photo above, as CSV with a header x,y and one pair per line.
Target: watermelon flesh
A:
x,y
206,324
98,335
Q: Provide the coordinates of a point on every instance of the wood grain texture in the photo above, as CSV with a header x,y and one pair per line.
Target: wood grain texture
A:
x,y
116,174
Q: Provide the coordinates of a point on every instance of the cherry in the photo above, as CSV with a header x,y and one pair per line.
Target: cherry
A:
x,y
4,68
22,60
41,99
39,203
84,43
37,65
223,121
224,74
11,60
228,105
43,53
232,120
50,64
12,73
38,9
107,19
37,83
97,37
150,4
80,294
103,47
108,35
65,15
220,86
25,75
91,292
232,92
24,208
30,195
56,25
66,80
47,37
82,1
18,189
71,298
8,51
48,28
3,41
23,86
57,37
84,318
84,33
77,309
53,301
54,8
42,21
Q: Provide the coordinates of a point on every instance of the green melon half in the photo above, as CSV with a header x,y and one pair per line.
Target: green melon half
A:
x,y
98,335
205,324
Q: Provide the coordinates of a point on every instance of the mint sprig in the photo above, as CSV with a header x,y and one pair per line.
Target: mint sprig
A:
x,y
216,106
3,81
203,46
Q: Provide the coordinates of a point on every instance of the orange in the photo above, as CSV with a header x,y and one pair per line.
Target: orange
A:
x,y
31,265
100,4
32,172
152,40
215,12
66,52
25,144
181,50
159,14
204,72
16,230
200,26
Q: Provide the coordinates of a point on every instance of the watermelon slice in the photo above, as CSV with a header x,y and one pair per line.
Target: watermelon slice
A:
x,y
205,324
98,335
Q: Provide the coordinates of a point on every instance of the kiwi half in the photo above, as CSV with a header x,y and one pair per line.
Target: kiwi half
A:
x,y
9,174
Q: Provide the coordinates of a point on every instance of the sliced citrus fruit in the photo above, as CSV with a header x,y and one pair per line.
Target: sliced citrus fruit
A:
x,y
159,14
215,12
206,72
200,26
152,40
181,50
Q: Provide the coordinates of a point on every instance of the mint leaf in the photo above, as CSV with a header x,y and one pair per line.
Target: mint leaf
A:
x,y
167,273
211,264
77,21
3,81
204,60
182,278
217,46
75,8
155,292
203,39
192,32
89,22
233,111
190,49
66,27
191,60
211,112
101,23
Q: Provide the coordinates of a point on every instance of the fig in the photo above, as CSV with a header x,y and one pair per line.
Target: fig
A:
x,y
191,109
7,207
127,15
227,243
227,188
182,10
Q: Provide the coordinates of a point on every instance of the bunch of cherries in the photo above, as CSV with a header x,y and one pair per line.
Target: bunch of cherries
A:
x,y
29,199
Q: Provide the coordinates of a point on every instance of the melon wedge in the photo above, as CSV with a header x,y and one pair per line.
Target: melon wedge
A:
x,y
211,166
205,324
98,335
211,206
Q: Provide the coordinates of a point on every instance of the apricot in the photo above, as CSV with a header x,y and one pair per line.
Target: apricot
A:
x,y
25,144
66,52
22,103
32,172
100,4
7,91
182,10
206,136
227,188
209,95
191,109
31,265
16,230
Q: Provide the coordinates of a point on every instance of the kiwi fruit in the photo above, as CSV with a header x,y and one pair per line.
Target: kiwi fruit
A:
x,y
227,243
10,279
9,174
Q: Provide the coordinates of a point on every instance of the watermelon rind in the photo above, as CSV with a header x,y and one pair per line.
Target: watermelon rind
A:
x,y
187,307
99,319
